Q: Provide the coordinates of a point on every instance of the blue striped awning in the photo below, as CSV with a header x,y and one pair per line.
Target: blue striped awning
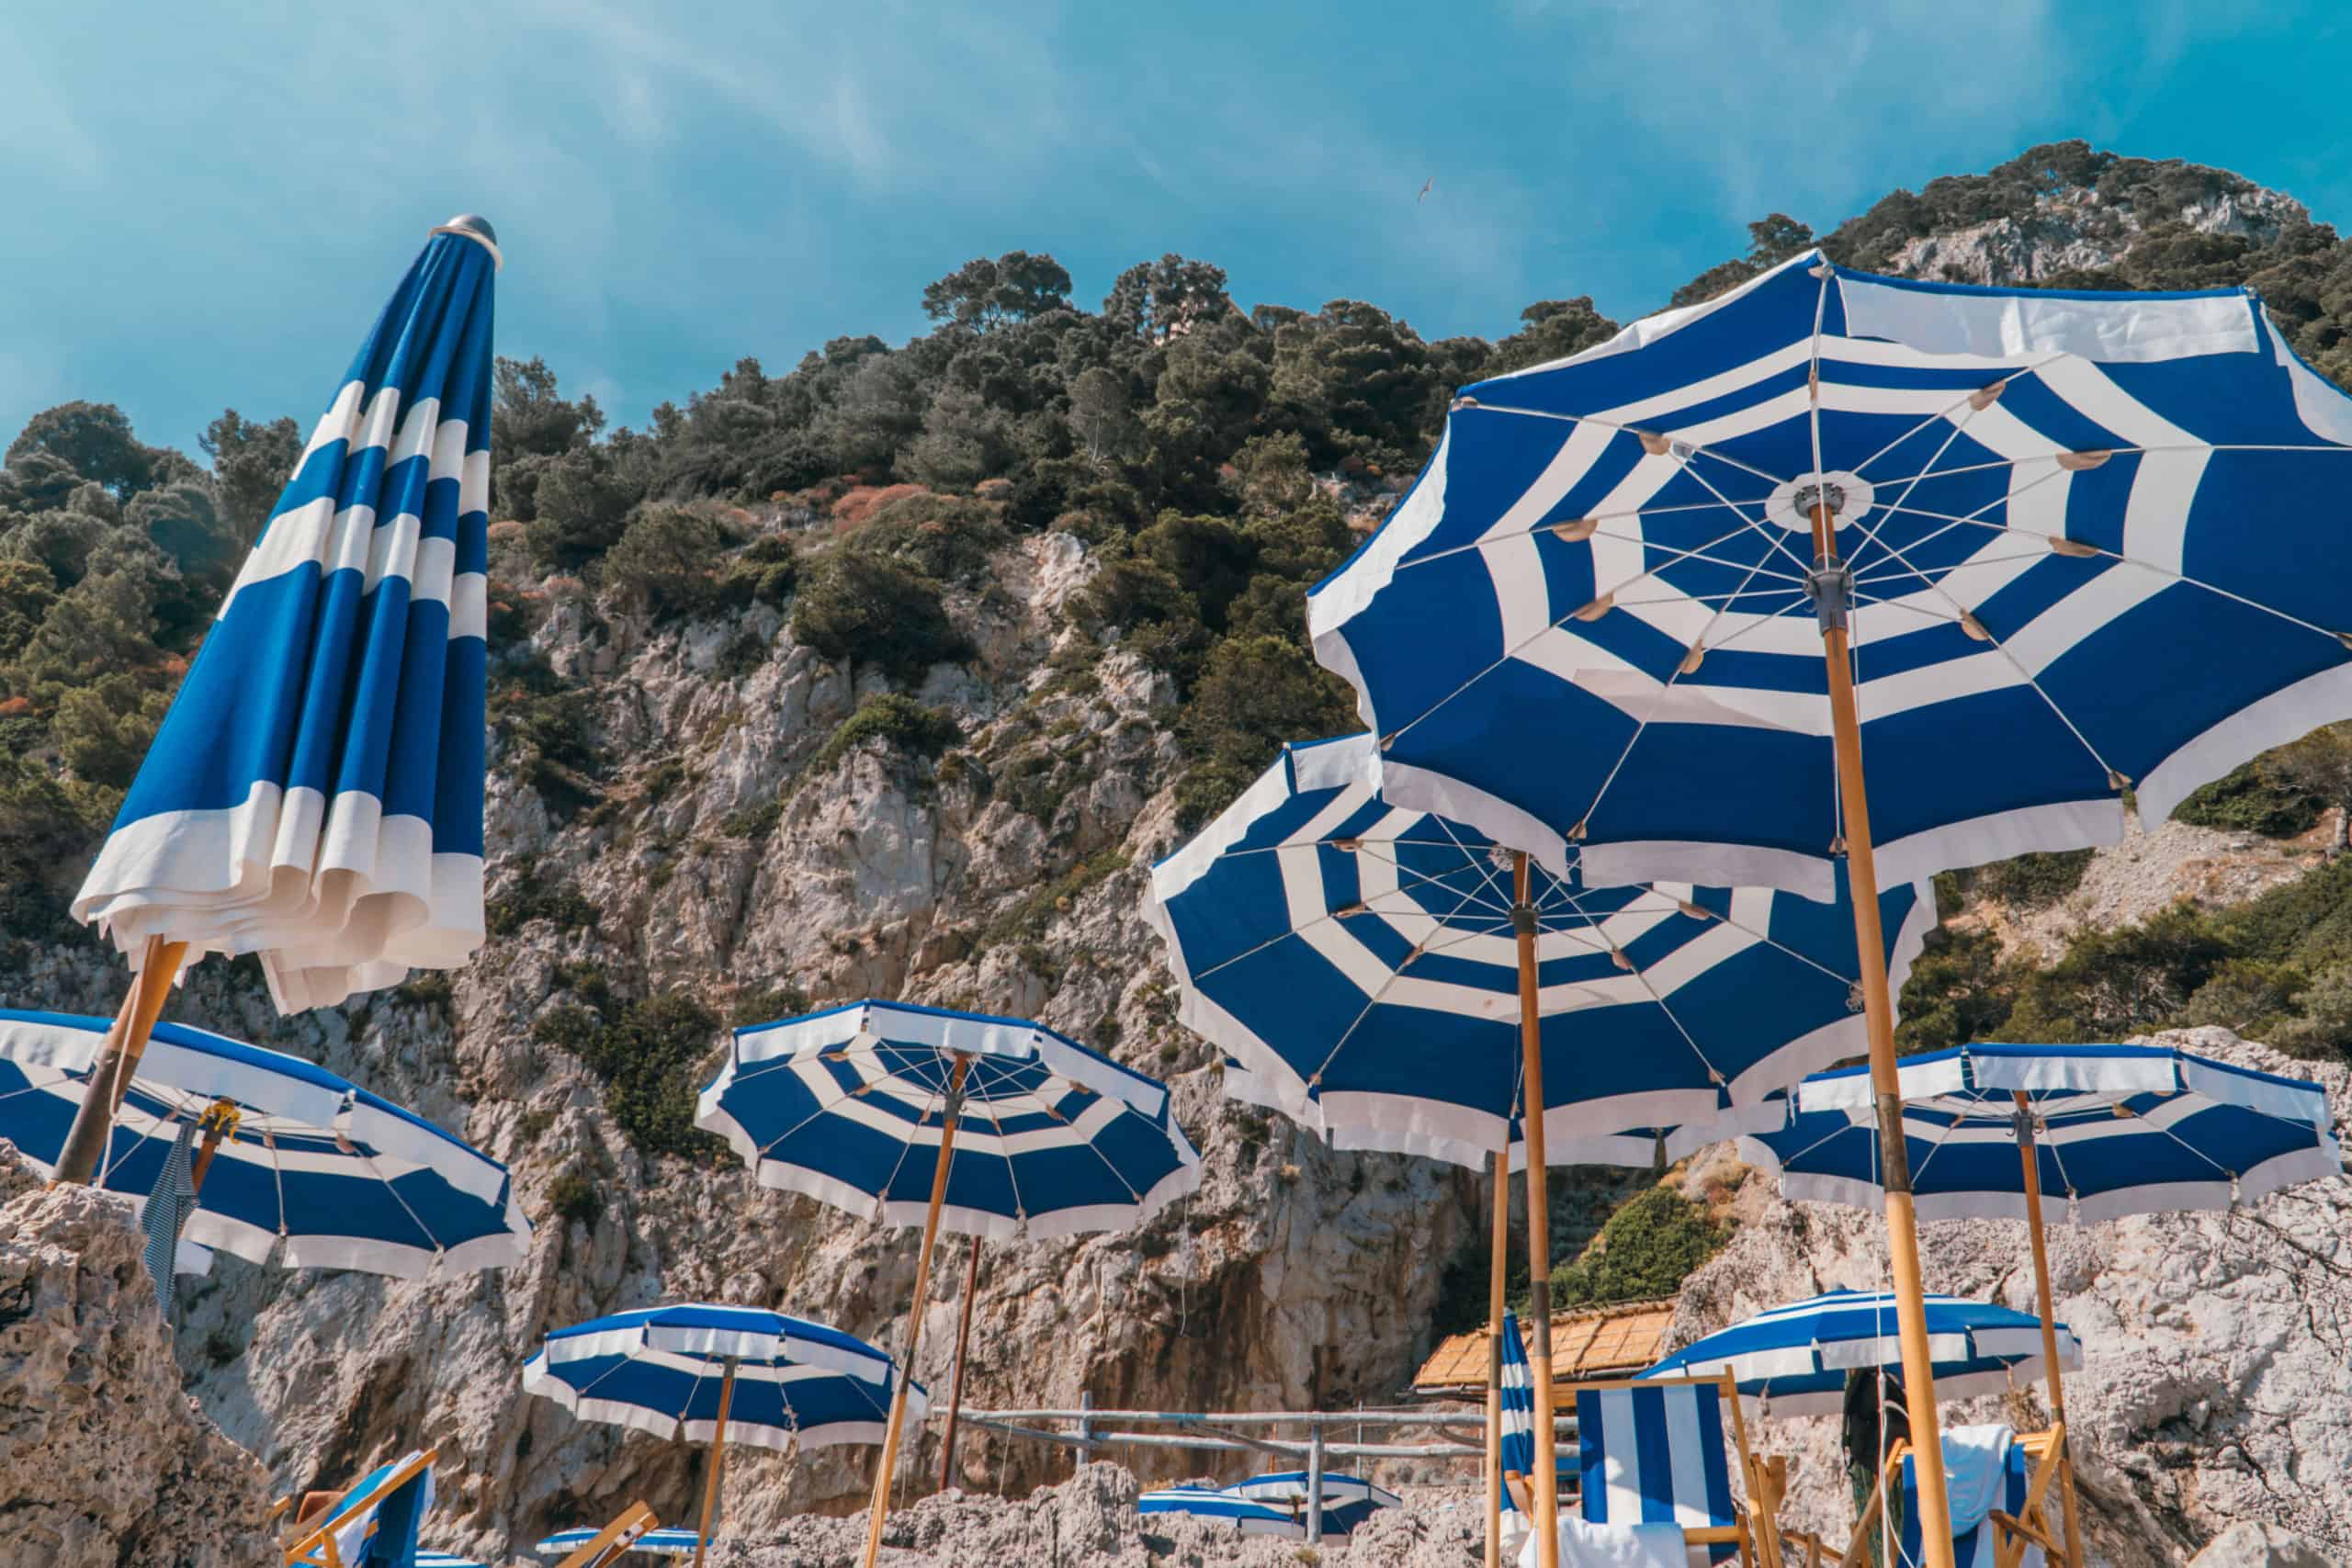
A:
x,y
1053,1139
1205,1503
2096,542
660,1369
1357,960
1348,1500
1794,1358
314,795
319,1172
2118,1130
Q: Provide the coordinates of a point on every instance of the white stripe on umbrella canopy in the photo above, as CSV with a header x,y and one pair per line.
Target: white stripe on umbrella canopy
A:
x,y
314,795
1590,622
1359,961
1052,1139
1794,1359
1516,1453
659,1370
2118,1130
318,1173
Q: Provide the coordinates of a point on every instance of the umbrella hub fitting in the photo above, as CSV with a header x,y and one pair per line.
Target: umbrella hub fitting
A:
x,y
1831,586
1522,918
1819,493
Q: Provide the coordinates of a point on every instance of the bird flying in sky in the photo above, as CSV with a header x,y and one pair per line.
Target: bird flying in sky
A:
x,y
1427,186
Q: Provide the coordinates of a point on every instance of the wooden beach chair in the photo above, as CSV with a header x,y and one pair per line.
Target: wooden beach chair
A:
x,y
2018,1534
1652,1451
607,1544
375,1521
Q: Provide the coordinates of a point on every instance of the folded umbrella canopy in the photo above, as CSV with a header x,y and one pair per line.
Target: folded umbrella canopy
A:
x,y
699,1372
315,793
2118,1129
1794,1359
295,1163
1013,1129
1395,980
2020,549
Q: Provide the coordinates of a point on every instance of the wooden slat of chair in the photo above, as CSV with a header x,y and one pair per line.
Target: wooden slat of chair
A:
x,y
632,1522
317,1549
2031,1525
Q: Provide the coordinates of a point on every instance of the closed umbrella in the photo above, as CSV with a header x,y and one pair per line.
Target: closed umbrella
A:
x,y
915,1115
315,793
1246,1516
1347,1500
2022,550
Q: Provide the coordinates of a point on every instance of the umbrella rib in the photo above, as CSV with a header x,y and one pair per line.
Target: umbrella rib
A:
x,y
1601,423
1768,940
1812,368
1641,975
1300,928
1425,879
1699,553
423,1229
1969,398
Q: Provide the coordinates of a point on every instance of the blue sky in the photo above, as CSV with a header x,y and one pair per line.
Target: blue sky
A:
x,y
208,203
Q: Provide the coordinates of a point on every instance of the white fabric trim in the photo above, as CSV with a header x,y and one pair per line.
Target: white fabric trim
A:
x,y
2126,328
2288,714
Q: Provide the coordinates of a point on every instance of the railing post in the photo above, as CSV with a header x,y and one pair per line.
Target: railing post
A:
x,y
1315,1484
1085,1432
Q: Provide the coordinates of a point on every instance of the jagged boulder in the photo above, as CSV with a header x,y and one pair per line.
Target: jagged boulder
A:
x,y
104,1460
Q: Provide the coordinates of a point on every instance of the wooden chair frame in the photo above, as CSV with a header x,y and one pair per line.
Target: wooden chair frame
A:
x,y
316,1547
630,1524
1755,1528
2012,1533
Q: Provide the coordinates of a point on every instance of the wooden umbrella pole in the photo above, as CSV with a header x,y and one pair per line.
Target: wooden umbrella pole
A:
x,y
118,1061
1539,1218
956,1391
1834,595
717,1463
1495,1358
953,1107
2027,1153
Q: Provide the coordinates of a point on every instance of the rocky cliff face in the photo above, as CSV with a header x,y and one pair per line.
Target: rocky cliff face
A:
x,y
104,1462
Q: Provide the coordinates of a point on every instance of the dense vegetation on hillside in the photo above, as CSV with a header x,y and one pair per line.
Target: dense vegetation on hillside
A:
x,y
1218,460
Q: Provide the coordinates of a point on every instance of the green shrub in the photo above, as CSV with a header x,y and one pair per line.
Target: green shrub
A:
x,y
574,1197
895,721
665,562
646,1059
564,906
2249,800
868,608
2030,881
1647,1248
787,1001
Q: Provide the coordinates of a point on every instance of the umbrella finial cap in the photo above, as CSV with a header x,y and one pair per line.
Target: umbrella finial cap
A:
x,y
475,227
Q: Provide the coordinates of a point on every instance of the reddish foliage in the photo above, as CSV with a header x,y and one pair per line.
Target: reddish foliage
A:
x,y
862,502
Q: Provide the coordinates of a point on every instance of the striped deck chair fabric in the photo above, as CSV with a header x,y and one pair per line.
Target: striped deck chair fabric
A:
x,y
1972,1543
375,1523
1656,1456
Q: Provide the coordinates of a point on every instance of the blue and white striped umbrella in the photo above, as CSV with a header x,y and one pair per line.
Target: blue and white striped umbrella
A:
x,y
1359,960
314,795
1348,1500
1516,1392
1204,1502
2118,1130
2095,541
658,1370
1052,1139
661,1543
1794,1358
318,1171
